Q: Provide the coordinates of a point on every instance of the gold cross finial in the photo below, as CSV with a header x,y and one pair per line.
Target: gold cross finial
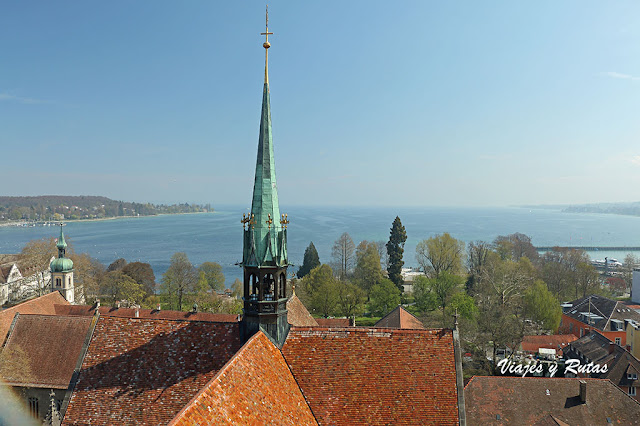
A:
x,y
269,221
266,46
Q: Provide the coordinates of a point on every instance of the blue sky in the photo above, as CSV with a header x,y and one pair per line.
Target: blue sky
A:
x,y
373,103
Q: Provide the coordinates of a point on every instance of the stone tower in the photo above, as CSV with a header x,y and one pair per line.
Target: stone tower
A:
x,y
264,257
62,271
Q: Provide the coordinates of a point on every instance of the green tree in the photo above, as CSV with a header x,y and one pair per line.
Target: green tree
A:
x,y
441,253
320,291
311,260
180,279
444,286
542,306
368,271
213,275
351,299
142,274
395,250
117,286
425,299
383,297
343,253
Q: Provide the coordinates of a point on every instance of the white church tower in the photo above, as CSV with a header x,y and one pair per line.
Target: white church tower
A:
x,y
62,271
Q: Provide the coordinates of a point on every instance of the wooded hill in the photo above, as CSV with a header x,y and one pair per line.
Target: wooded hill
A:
x,y
58,207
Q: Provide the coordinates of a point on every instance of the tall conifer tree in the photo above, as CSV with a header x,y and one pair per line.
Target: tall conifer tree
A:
x,y
311,260
395,249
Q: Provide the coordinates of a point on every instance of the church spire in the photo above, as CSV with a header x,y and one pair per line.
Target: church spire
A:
x,y
264,257
265,242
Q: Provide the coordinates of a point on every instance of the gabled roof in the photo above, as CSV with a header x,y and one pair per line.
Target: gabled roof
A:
x,y
298,315
40,305
620,362
107,311
594,346
255,387
48,348
531,400
554,341
602,310
369,376
144,371
400,318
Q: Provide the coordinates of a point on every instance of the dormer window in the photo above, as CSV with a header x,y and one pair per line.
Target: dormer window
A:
x,y
632,376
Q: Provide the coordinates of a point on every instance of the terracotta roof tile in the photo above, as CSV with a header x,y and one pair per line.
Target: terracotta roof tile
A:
x,y
554,341
298,315
358,376
50,346
525,400
333,322
400,318
107,311
254,388
40,305
144,371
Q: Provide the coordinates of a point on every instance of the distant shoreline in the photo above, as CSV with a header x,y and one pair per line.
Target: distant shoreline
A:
x,y
21,224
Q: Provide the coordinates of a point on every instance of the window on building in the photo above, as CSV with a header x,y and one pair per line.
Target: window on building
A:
x,y
632,390
33,407
618,341
58,282
632,376
581,331
570,327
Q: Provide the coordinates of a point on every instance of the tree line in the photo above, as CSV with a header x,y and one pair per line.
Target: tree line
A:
x,y
500,290
121,283
55,207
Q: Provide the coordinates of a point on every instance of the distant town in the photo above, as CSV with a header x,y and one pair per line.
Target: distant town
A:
x,y
39,210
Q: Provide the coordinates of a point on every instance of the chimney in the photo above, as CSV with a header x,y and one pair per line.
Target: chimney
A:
x,y
137,308
158,307
97,303
118,304
583,391
195,308
612,346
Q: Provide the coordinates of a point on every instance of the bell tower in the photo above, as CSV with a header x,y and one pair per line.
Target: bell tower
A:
x,y
264,255
62,271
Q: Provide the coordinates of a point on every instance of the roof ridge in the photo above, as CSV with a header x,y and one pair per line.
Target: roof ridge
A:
x,y
366,329
224,368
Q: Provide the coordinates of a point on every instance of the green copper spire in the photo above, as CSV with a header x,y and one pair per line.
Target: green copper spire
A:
x,y
265,238
61,264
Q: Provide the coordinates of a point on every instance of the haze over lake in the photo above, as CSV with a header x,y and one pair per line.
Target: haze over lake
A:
x,y
217,236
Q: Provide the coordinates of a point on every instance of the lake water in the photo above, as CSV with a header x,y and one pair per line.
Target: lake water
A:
x,y
217,236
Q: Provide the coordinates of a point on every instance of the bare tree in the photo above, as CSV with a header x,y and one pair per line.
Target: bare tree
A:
x,y
343,253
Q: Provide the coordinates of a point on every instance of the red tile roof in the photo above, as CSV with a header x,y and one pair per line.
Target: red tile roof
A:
x,y
554,341
369,376
40,305
298,315
333,322
530,401
50,346
400,318
144,371
107,311
254,388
